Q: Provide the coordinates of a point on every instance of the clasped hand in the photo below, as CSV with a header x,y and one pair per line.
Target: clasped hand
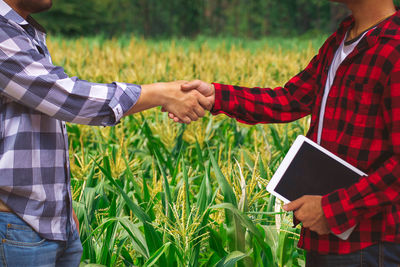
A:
x,y
189,100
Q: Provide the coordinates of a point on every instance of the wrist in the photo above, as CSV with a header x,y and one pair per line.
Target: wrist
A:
x,y
151,96
154,93
166,92
217,96
213,93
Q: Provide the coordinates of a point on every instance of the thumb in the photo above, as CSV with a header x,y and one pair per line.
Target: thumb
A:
x,y
294,205
191,85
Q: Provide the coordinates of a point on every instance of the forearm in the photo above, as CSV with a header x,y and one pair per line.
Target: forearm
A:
x,y
344,207
267,105
261,105
71,99
152,95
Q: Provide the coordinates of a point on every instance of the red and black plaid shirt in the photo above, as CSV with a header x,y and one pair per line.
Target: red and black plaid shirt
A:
x,y
361,125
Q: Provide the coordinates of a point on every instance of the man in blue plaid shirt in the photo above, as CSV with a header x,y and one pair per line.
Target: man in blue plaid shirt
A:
x,y
37,225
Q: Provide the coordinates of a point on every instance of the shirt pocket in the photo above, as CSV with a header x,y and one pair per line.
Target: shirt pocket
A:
x,y
364,96
22,236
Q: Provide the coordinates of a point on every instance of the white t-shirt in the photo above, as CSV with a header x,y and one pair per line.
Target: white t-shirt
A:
x,y
340,55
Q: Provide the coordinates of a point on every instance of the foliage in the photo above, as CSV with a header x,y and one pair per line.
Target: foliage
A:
x,y
150,192
250,18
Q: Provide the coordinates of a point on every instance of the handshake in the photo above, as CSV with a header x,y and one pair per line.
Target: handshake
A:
x,y
184,101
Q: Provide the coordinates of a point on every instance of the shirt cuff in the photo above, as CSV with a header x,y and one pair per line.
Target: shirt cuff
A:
x,y
217,108
125,97
339,211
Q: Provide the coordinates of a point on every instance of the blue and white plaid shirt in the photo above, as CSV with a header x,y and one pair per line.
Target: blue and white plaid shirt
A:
x,y
36,98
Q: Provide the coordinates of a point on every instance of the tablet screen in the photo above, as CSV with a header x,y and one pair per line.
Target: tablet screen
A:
x,y
313,172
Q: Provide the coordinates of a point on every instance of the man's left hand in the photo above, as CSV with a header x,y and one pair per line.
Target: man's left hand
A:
x,y
308,210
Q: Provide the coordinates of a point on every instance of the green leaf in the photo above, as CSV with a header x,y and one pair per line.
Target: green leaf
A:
x,y
185,177
131,178
226,188
261,168
245,220
91,265
156,255
108,240
134,232
276,138
152,237
232,258
216,242
168,200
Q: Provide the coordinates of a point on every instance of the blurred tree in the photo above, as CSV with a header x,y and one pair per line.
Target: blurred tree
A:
x,y
150,18
338,13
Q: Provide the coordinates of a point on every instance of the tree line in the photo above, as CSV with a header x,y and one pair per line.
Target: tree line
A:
x,y
155,18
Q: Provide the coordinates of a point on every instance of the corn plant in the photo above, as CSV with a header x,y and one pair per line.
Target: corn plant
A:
x,y
150,192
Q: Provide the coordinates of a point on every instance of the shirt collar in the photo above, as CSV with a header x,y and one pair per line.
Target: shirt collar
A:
x,y
389,28
10,14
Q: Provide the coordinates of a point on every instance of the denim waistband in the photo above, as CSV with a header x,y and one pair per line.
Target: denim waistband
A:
x,y
9,217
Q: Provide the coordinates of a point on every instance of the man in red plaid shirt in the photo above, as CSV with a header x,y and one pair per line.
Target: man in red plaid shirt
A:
x,y
352,91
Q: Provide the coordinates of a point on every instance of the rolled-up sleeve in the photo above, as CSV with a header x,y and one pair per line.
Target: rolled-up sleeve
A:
x,y
28,77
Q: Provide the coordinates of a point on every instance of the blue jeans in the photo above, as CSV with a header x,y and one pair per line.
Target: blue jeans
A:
x,y
21,246
382,254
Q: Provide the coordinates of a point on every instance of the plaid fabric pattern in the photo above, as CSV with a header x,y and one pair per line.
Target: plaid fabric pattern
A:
x,y
36,98
361,125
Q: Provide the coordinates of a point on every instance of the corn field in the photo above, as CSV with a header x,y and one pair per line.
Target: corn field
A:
x,y
149,192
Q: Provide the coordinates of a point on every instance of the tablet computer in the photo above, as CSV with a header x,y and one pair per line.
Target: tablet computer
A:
x,y
309,169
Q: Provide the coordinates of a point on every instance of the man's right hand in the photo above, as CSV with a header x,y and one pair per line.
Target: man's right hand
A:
x,y
206,89
186,105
